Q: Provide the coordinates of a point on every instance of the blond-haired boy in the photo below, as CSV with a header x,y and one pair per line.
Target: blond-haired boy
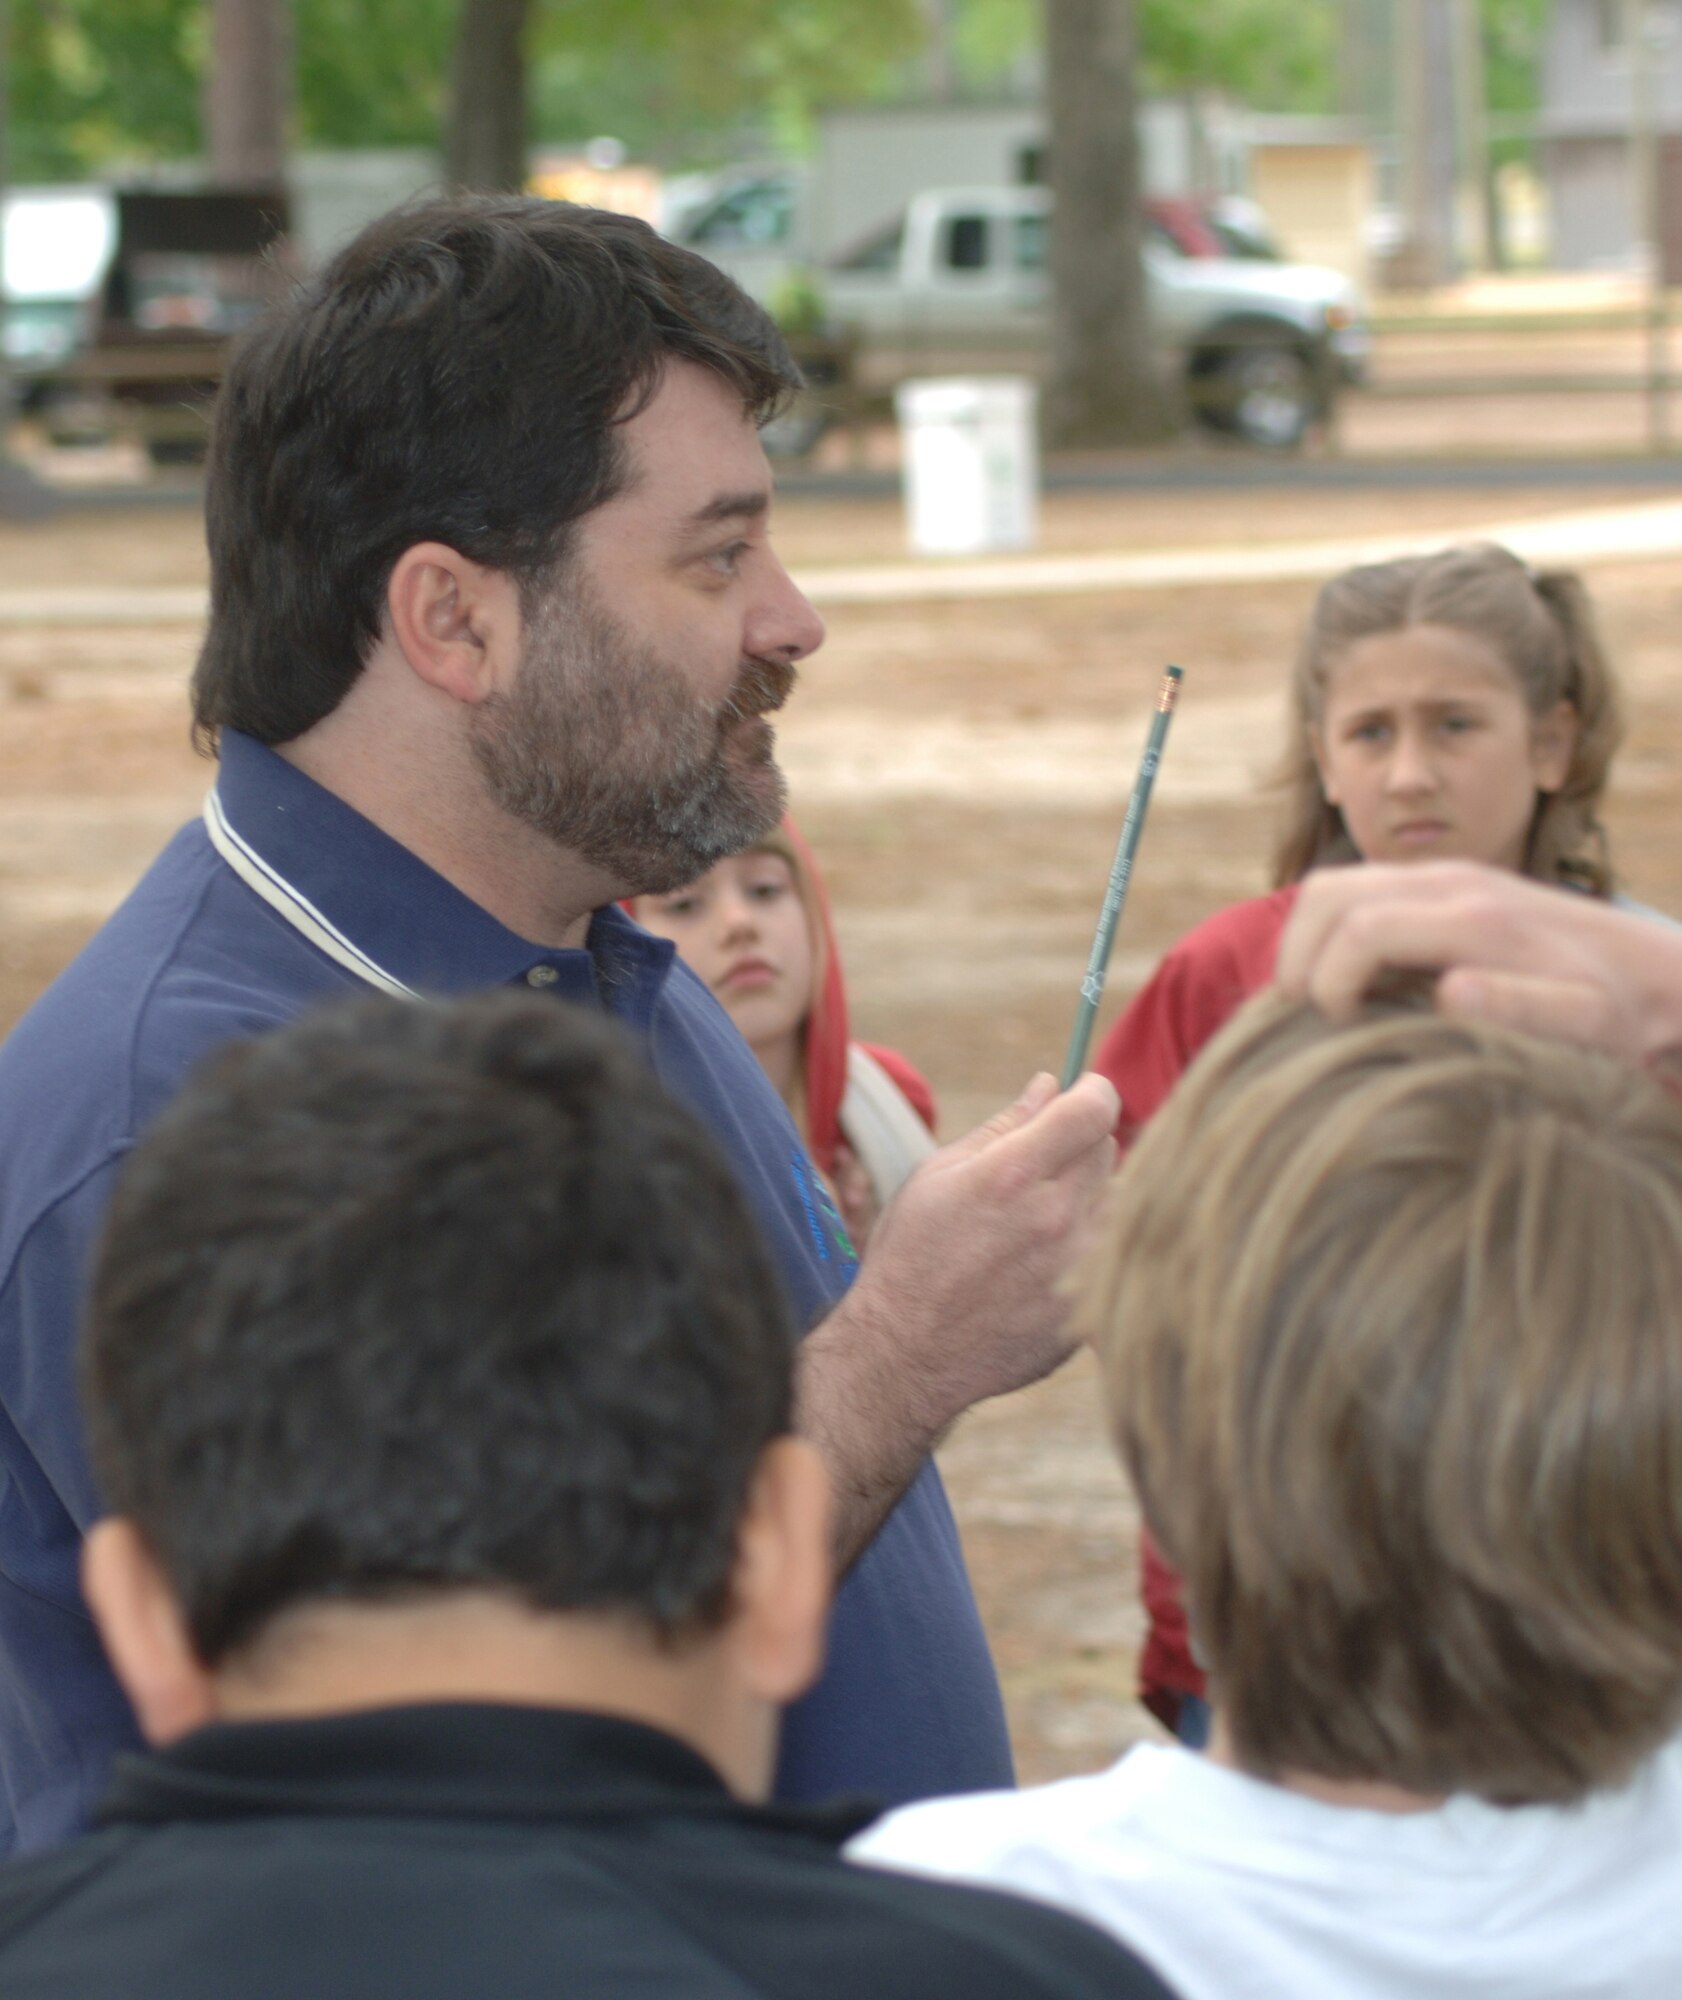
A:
x,y
1391,1322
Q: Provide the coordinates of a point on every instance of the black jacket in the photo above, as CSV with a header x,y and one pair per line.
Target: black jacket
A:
x,y
493,1853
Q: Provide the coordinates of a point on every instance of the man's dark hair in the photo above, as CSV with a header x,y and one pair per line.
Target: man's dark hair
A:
x,y
458,373
411,1296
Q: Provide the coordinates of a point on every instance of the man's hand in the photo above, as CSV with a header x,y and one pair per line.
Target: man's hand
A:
x,y
958,1299
1504,949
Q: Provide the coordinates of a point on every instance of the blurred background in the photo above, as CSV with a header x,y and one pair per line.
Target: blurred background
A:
x,y
1351,225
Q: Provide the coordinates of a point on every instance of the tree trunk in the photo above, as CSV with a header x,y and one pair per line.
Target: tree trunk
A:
x,y
1473,237
486,144
1425,132
940,60
248,92
1103,388
1362,74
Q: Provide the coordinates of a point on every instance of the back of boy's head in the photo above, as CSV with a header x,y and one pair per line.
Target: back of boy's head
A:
x,y
410,1298
1391,1320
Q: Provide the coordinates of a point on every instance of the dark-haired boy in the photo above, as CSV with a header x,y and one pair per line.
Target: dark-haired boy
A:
x,y
462,1558
495,626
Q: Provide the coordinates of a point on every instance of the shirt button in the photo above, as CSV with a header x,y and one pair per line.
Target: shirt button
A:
x,y
542,975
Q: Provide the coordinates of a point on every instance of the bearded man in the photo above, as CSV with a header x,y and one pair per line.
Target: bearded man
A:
x,y
495,625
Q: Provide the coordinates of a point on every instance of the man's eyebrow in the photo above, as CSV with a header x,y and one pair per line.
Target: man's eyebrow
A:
x,y
744,506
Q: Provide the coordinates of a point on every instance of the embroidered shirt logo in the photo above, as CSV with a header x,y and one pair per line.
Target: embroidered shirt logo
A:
x,y
829,1232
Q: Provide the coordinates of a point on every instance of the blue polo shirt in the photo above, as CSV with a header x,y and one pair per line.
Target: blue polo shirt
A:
x,y
281,897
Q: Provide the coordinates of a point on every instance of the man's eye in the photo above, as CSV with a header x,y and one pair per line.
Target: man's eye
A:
x,y
1369,732
728,560
1458,725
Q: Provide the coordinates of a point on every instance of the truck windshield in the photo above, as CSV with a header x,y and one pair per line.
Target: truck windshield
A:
x,y
966,243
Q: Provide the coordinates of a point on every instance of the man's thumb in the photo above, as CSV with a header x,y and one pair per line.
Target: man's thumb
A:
x,y
1035,1097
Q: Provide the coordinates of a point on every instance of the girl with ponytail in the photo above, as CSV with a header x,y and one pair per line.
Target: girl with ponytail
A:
x,y
1457,705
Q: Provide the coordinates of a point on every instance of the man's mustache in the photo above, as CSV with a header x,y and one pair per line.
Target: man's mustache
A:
x,y
763,685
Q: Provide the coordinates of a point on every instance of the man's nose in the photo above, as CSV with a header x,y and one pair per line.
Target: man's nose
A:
x,y
784,625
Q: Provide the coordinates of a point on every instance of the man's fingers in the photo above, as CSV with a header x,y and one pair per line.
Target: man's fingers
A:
x,y
1565,1010
1077,1123
1039,1092
1393,934
1331,899
1351,925
1046,1131
1321,904
1100,1097
1531,956
1351,951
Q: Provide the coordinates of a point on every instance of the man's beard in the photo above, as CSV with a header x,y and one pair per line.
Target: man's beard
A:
x,y
602,746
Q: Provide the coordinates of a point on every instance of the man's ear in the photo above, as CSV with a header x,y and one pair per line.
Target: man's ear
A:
x,y
456,622
144,1632
783,1578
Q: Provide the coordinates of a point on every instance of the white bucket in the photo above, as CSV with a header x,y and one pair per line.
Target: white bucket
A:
x,y
971,463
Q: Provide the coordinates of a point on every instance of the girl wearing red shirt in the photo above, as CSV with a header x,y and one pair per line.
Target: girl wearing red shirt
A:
x,y
1458,705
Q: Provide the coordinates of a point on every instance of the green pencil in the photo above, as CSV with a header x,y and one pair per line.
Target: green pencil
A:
x,y
1092,986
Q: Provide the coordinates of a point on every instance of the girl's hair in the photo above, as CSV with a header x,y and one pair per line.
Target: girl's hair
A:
x,y
1540,623
814,1112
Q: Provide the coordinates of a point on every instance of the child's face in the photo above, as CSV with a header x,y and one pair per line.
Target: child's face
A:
x,y
742,928
1427,748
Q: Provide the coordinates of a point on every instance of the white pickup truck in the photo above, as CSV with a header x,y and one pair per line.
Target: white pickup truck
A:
x,y
958,280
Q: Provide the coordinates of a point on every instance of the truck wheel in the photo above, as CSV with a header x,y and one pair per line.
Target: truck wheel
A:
x,y
1269,396
72,417
168,451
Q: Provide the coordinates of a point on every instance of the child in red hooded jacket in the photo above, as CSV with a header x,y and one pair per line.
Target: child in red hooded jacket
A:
x,y
757,930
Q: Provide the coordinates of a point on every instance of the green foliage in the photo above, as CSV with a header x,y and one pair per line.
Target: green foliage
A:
x,y
1513,32
1512,39
96,81
371,72
575,94
655,73
797,303
1273,55
993,38
102,82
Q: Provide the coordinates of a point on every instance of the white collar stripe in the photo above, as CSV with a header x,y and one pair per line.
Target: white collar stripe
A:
x,y
298,911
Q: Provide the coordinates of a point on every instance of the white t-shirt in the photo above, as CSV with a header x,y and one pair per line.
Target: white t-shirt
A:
x,y
1234,1889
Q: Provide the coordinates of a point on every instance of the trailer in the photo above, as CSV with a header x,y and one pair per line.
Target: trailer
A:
x,y
186,271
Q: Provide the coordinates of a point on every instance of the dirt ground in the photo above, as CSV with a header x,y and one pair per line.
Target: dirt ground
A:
x,y
961,768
